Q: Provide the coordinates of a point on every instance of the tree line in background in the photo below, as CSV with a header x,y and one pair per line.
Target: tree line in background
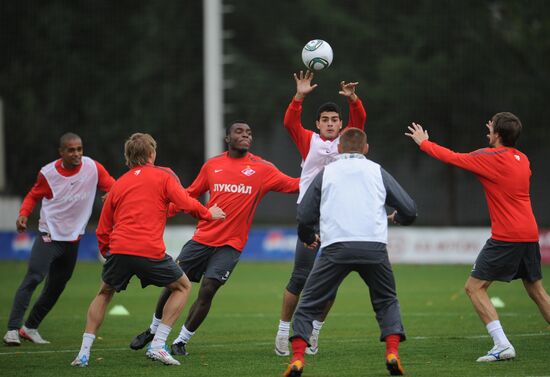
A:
x,y
106,69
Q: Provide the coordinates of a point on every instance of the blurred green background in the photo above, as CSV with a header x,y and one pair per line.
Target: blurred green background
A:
x,y
105,69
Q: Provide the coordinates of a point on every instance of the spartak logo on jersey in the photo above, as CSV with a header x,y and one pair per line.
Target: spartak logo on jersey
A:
x,y
248,171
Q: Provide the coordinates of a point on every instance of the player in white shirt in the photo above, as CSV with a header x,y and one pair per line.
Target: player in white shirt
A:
x,y
345,207
316,150
67,188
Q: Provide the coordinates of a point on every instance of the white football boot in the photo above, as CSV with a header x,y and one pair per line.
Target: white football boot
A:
x,y
81,361
498,353
281,345
32,334
162,355
314,344
12,338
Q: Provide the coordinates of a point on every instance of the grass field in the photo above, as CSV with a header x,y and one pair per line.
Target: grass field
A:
x,y
444,334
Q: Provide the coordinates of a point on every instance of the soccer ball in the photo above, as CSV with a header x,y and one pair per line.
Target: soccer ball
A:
x,y
317,54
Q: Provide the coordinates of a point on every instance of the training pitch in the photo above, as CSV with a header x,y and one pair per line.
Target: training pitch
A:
x,y
445,336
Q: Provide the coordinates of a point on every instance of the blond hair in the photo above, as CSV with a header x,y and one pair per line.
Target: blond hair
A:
x,y
138,149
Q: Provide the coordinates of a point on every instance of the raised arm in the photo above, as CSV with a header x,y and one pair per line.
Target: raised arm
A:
x,y
303,84
347,89
293,115
475,162
357,113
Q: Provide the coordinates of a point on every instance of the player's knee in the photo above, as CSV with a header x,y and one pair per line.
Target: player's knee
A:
x,y
471,289
535,290
208,289
57,288
60,280
33,279
207,293
106,290
182,284
296,284
468,289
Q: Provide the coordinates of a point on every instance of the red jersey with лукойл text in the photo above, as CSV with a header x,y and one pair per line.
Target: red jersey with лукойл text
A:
x,y
236,185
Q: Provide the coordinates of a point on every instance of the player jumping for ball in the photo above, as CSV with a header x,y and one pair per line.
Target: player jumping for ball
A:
x,y
317,150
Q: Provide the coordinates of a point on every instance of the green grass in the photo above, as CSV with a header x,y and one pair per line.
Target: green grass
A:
x,y
444,334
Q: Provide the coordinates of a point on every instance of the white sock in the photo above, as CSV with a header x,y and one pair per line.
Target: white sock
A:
x,y
87,341
184,335
159,341
495,330
317,326
155,322
284,328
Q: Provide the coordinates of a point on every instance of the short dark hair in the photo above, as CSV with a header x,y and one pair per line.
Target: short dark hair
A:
x,y
353,140
228,127
328,107
66,137
508,127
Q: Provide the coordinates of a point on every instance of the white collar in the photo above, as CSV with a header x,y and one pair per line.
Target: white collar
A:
x,y
345,156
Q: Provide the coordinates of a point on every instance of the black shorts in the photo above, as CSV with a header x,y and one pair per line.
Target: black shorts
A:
x,y
303,263
214,262
506,261
119,269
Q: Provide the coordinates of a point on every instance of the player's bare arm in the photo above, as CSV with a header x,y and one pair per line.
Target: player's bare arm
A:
x,y
418,134
303,84
347,89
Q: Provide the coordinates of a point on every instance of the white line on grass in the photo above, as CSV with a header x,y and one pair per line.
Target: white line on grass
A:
x,y
259,344
336,314
367,313
434,314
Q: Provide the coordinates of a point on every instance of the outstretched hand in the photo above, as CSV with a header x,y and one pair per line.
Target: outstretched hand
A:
x,y
303,84
347,89
418,134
